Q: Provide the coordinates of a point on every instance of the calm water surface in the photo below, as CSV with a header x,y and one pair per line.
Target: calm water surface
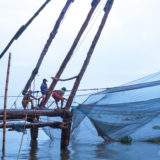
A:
x,y
45,149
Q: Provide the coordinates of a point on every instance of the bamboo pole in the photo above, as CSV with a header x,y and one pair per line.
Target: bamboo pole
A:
x,y
70,52
47,45
89,54
23,28
5,105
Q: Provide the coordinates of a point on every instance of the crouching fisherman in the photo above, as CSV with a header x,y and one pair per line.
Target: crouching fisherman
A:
x,y
28,97
58,96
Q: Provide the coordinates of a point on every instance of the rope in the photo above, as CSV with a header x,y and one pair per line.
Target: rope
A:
x,y
84,37
33,91
51,104
22,136
66,91
15,101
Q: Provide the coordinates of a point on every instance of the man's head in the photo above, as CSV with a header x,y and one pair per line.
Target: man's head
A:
x,y
63,88
44,80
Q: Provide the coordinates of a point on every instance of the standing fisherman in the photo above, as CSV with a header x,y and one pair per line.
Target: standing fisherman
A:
x,y
44,89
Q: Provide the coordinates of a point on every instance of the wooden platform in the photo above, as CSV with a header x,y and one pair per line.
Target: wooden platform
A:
x,y
30,119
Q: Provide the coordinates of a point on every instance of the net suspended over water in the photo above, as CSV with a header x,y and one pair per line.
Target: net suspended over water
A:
x,y
132,110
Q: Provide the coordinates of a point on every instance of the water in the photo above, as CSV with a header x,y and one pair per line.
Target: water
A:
x,y
45,149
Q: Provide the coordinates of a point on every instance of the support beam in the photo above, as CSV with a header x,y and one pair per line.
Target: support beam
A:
x,y
12,117
71,51
38,124
23,28
32,112
107,9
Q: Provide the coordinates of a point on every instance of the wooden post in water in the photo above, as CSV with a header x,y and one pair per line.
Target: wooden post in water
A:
x,y
5,105
65,134
34,133
34,130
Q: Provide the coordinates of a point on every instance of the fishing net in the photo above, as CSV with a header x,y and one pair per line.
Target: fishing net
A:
x,y
132,110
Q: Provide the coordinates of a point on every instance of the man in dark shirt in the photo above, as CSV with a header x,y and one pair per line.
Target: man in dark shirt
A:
x,y
44,89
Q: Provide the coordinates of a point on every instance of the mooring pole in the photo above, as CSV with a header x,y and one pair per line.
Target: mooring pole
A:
x,y
5,105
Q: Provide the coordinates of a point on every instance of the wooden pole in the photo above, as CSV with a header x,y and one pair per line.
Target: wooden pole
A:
x,y
34,133
89,54
5,105
32,112
33,125
70,52
48,43
65,134
22,28
34,130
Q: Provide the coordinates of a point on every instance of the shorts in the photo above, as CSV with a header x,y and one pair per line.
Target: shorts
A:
x,y
43,95
57,97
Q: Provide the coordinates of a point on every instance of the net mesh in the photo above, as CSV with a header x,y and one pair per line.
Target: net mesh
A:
x,y
128,110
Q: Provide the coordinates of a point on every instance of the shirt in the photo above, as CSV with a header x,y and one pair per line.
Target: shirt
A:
x,y
44,88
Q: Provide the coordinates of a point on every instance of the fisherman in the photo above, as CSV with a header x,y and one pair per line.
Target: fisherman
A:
x,y
58,96
44,89
28,98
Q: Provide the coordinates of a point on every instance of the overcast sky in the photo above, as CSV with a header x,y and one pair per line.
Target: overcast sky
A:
x,y
128,48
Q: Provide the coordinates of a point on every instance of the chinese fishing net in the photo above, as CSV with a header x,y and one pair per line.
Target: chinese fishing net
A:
x,y
129,110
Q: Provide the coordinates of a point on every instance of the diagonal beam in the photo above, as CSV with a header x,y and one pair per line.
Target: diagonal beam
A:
x,y
23,28
47,45
107,9
70,52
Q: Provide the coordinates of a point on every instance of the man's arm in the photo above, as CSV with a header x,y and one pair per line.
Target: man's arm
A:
x,y
33,97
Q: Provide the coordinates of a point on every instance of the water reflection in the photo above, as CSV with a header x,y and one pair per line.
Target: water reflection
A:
x,y
33,149
48,150
118,151
2,158
65,154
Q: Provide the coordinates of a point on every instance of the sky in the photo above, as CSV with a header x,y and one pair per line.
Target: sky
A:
x,y
128,48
